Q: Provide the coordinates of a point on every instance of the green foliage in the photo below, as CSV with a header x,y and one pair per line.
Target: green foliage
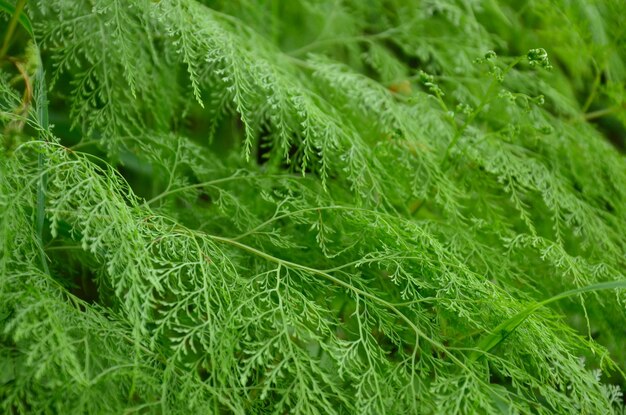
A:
x,y
312,206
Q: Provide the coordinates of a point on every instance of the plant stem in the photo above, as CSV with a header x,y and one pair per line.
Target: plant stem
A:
x,y
601,113
390,306
484,101
11,28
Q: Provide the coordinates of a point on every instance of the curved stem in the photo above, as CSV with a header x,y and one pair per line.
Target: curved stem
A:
x,y
390,306
204,184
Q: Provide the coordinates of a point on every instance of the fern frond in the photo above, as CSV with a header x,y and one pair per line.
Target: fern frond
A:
x,y
312,207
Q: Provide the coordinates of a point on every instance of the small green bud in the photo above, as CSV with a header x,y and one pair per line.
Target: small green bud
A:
x,y
464,109
425,78
539,57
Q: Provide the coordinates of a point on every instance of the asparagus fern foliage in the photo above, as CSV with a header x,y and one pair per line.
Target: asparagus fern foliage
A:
x,y
312,207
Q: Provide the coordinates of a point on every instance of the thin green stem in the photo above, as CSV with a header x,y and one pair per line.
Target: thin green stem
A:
x,y
603,112
594,87
205,184
340,40
11,28
483,102
390,306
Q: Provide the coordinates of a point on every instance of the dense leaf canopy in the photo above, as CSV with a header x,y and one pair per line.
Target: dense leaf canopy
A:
x,y
312,206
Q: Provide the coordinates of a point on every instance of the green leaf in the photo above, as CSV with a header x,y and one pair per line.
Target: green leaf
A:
x,y
506,328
